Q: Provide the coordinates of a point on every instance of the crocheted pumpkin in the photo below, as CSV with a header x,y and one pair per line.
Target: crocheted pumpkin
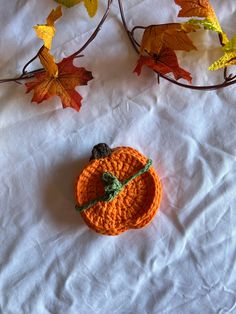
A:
x,y
118,190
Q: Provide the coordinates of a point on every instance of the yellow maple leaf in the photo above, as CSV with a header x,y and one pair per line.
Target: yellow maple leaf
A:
x,y
47,31
90,5
229,57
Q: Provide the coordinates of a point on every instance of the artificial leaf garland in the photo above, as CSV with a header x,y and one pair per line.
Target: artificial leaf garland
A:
x,y
159,42
158,54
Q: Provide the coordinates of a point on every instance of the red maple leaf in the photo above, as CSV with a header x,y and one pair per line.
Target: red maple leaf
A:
x,y
165,62
62,83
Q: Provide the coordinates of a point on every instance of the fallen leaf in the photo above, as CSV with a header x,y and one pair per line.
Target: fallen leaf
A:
x,y
173,36
90,5
63,83
202,9
165,62
46,32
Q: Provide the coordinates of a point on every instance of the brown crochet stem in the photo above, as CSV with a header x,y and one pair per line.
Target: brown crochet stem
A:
x,y
100,150
27,75
228,79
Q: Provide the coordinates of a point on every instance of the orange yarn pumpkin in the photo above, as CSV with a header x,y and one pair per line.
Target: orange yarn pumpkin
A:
x,y
136,204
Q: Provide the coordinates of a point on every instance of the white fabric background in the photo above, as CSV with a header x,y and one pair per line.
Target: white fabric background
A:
x,y
50,262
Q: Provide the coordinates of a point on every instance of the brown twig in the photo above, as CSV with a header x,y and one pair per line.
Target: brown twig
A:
x,y
98,28
29,62
228,79
21,77
126,27
132,33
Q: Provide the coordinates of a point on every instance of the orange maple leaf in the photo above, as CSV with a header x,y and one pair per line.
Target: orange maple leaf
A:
x,y
61,82
173,36
200,8
165,62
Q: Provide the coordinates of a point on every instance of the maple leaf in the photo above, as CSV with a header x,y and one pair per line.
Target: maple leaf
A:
x,y
61,82
173,36
229,57
90,5
46,32
202,9
165,62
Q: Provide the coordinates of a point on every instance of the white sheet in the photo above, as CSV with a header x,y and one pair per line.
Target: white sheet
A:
x,y
50,261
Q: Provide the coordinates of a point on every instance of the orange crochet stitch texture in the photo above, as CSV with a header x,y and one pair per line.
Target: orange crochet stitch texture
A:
x,y
134,207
